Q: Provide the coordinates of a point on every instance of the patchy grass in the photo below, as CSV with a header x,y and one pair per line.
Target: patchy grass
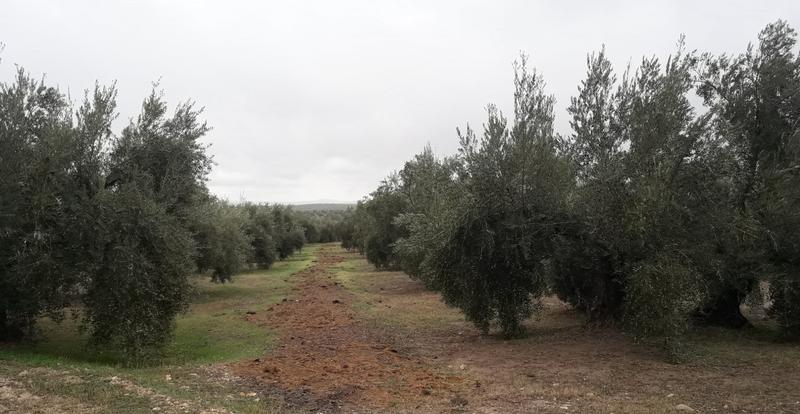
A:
x,y
214,329
566,365
563,365
73,390
392,297
759,344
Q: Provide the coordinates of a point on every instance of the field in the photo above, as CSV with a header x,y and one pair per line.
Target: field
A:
x,y
324,332
57,374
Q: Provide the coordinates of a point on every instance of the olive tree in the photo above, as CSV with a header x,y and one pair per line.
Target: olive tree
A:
x,y
754,99
262,234
39,188
139,281
588,254
426,183
383,206
90,218
640,243
224,245
488,251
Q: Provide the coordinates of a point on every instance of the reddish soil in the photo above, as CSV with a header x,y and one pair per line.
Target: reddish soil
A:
x,y
334,358
328,359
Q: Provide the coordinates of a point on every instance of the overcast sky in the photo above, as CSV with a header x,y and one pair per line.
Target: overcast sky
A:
x,y
319,100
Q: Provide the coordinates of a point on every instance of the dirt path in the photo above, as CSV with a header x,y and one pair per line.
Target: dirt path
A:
x,y
407,352
329,360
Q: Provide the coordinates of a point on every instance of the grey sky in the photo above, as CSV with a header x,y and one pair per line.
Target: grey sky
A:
x,y
319,100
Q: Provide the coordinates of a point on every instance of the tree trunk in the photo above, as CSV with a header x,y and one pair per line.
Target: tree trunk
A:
x,y
8,331
724,310
608,295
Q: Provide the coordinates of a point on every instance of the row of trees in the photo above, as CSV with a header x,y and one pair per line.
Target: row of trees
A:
x,y
653,213
114,225
88,217
235,236
322,226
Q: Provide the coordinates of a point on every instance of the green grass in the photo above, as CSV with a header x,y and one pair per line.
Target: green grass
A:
x,y
420,308
758,344
214,329
706,346
353,273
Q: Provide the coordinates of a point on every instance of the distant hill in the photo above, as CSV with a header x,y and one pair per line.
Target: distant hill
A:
x,y
322,206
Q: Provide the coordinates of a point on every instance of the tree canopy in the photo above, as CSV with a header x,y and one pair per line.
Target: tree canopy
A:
x,y
674,197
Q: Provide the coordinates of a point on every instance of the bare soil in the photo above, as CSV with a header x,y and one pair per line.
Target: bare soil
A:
x,y
381,343
328,359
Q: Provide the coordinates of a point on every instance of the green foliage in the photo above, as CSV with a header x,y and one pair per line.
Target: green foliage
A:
x,y
166,154
94,219
356,227
588,255
289,233
660,293
668,211
224,244
643,199
427,187
649,213
785,294
290,242
39,189
488,247
311,232
261,232
384,205
116,223
139,283
321,226
232,236
754,99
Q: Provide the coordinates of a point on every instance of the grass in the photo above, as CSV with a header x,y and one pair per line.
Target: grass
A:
x,y
758,344
379,295
597,369
213,330
61,371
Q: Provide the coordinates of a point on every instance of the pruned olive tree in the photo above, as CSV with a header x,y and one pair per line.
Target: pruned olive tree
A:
x,y
641,244
755,101
40,200
426,183
224,245
384,205
90,218
138,283
488,250
262,234
588,254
